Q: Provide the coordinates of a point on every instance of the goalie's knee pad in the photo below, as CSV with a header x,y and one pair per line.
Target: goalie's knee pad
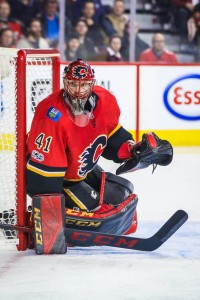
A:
x,y
80,196
117,189
120,181
94,179
85,195
49,224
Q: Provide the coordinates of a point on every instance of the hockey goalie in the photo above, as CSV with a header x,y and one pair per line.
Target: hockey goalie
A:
x,y
71,129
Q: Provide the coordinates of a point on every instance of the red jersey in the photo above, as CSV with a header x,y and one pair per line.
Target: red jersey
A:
x,y
166,56
59,148
16,28
180,3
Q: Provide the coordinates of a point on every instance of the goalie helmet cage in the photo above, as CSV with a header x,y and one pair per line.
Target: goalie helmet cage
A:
x,y
26,77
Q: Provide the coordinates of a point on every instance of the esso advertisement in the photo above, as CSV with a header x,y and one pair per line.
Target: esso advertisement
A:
x,y
182,97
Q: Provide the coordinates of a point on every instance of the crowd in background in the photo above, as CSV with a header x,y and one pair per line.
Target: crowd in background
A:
x,y
94,31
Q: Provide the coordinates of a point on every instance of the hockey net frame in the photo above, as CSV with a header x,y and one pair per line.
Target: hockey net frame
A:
x,y
22,59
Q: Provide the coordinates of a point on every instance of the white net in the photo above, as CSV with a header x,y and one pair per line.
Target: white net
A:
x,y
38,83
38,86
7,141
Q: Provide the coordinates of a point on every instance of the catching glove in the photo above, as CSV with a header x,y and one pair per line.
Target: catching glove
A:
x,y
150,151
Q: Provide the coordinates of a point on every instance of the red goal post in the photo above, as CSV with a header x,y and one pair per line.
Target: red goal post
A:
x,y
26,77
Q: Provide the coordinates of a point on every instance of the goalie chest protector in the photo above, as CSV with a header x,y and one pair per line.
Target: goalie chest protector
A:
x,y
49,224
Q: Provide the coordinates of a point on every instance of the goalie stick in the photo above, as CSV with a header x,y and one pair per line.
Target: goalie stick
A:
x,y
84,238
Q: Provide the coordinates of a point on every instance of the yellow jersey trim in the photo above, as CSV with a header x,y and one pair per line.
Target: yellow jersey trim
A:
x,y
78,179
114,130
45,173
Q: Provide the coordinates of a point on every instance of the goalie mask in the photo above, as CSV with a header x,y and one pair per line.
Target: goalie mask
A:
x,y
78,79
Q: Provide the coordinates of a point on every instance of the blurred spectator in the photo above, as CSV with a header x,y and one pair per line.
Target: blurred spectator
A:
x,y
194,24
73,48
158,53
7,38
163,10
140,45
87,46
50,22
183,10
33,37
94,29
13,24
115,22
24,10
3,23
194,31
74,9
113,50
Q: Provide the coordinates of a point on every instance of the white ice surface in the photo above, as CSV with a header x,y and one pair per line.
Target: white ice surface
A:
x,y
171,272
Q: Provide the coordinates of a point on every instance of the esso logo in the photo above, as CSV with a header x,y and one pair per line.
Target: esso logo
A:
x,y
182,97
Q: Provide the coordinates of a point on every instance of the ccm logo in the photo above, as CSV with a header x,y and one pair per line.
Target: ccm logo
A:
x,y
83,223
182,97
38,226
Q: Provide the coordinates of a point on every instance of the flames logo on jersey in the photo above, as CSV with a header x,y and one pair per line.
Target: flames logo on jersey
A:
x,y
79,72
90,156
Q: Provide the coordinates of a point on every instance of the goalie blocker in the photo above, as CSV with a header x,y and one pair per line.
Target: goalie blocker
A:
x,y
49,224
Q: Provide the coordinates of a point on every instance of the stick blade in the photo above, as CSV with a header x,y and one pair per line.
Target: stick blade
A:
x,y
167,230
89,238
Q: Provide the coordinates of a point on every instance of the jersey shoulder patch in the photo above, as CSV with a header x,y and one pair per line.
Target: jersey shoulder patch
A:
x,y
54,114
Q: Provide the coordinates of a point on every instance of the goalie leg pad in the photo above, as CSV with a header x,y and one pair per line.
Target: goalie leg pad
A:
x,y
49,224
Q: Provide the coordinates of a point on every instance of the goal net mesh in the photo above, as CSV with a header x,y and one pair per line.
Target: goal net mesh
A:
x,y
38,86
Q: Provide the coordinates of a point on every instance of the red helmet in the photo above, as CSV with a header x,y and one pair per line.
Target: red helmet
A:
x,y
78,79
78,70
